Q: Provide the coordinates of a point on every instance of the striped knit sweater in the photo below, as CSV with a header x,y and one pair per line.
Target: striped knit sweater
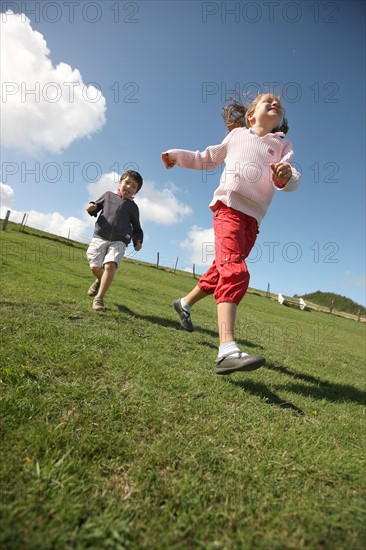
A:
x,y
246,182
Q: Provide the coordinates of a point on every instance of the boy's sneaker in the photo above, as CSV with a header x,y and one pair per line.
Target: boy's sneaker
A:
x,y
98,304
184,316
237,361
93,290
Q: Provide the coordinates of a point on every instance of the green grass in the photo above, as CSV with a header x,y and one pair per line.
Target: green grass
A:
x,y
116,433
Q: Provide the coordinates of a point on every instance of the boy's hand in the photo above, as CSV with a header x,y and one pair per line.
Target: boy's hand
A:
x,y
167,160
138,246
281,173
91,207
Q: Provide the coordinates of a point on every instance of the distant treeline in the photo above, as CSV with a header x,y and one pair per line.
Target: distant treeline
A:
x,y
335,301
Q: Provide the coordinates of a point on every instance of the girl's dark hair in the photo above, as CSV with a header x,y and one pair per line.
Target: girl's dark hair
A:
x,y
135,176
235,115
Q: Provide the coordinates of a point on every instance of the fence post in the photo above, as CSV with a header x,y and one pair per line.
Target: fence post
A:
x,y
193,272
157,259
22,222
5,222
176,263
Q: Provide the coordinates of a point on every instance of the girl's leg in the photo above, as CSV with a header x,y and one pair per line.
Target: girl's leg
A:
x,y
183,307
194,296
230,358
107,277
235,234
208,281
226,314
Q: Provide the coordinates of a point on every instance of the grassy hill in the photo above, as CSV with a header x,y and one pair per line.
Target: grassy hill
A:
x,y
334,301
117,434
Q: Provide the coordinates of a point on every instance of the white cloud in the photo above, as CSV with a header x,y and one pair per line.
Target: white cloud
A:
x,y
159,206
107,182
350,279
53,222
200,243
6,196
43,108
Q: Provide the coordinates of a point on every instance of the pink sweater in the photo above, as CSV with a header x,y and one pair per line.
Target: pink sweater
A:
x,y
246,182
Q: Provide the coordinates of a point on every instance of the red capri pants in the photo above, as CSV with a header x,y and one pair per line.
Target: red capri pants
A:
x,y
235,234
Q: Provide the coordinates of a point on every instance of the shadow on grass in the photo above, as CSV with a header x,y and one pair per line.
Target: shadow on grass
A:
x,y
267,395
314,388
320,389
156,320
164,322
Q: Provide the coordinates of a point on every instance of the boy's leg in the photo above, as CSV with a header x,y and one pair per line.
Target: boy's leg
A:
x,y
95,254
97,272
113,255
107,277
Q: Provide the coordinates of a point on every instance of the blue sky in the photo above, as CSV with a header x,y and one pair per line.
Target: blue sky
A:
x,y
90,89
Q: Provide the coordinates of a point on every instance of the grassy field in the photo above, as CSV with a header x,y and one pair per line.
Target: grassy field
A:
x,y
116,433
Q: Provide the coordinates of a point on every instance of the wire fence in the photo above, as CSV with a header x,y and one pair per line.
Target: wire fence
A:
x,y
75,235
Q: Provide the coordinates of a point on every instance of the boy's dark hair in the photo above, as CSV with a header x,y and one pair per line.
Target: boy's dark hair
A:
x,y
135,176
234,115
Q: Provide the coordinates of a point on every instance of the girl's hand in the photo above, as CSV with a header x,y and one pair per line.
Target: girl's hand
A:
x,y
91,207
281,173
167,160
138,246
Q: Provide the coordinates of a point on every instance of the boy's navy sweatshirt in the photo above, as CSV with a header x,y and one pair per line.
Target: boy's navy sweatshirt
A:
x,y
119,219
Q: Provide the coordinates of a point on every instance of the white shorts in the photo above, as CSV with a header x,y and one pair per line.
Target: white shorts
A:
x,y
101,252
